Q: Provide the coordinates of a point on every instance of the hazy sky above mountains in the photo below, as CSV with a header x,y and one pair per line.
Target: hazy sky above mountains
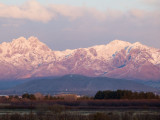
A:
x,y
63,24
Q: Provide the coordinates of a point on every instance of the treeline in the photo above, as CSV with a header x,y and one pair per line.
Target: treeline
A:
x,y
29,96
125,94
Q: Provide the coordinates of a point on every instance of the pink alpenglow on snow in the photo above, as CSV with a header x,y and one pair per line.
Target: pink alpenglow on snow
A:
x,y
27,58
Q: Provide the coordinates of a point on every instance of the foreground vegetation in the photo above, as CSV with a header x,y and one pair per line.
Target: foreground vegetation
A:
x,y
102,99
95,116
57,108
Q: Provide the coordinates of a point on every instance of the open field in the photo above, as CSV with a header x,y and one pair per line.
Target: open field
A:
x,y
82,104
101,114
85,111
80,110
71,107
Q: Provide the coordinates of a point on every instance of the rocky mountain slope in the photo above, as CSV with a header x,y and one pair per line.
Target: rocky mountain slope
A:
x,y
29,58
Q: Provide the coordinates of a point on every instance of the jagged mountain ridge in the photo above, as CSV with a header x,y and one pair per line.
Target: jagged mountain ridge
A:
x,y
24,58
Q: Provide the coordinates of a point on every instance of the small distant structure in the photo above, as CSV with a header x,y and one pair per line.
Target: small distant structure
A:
x,y
4,96
67,97
20,97
39,96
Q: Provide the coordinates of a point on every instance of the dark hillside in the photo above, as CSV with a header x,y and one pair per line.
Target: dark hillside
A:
x,y
77,84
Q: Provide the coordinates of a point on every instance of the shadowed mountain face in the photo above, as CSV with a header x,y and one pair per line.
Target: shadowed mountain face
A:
x,y
77,84
30,58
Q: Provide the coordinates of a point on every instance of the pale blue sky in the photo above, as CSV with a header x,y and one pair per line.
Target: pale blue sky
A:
x,y
64,24
99,4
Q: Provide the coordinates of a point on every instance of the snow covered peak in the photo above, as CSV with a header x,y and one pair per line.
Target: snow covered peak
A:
x,y
33,39
21,47
118,45
29,57
19,40
106,51
22,40
31,43
139,45
119,42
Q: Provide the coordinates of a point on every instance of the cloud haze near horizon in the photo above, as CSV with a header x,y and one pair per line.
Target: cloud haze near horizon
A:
x,y
64,26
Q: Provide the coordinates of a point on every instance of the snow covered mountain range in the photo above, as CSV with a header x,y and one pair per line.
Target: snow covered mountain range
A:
x,y
27,58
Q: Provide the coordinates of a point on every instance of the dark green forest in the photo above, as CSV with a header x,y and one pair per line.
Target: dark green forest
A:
x,y
125,94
